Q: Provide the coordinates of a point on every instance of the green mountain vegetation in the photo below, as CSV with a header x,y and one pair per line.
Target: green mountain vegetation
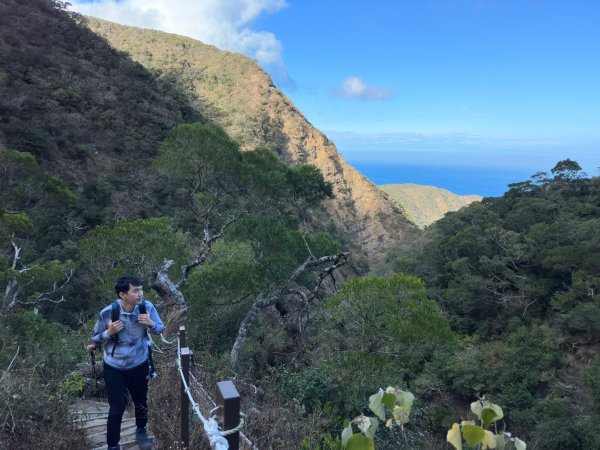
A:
x,y
423,205
233,91
111,167
517,276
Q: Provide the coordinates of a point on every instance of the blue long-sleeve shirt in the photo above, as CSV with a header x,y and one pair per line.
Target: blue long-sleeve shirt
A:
x,y
132,347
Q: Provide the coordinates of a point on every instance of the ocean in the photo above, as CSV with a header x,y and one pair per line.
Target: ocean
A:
x,y
484,181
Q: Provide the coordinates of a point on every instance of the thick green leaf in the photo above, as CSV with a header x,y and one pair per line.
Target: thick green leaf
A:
x,y
346,432
360,442
489,440
488,416
487,411
479,406
376,405
519,444
407,400
473,434
401,414
388,400
454,438
500,442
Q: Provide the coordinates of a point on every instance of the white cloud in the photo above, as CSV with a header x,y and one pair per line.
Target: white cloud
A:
x,y
354,87
223,23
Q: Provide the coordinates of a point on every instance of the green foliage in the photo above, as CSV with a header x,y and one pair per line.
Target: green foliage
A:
x,y
210,181
387,327
591,377
393,402
36,357
479,436
309,387
384,323
33,235
508,256
134,247
517,276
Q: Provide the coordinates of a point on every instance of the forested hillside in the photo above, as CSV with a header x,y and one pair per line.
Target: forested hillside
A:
x,y
518,277
235,92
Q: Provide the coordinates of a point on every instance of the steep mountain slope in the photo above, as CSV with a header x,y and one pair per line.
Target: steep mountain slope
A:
x,y
88,113
424,205
234,91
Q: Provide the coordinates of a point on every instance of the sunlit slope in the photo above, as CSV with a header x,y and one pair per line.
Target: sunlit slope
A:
x,y
423,205
235,92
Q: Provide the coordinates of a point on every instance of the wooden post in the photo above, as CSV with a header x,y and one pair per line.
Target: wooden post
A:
x,y
182,336
229,416
185,401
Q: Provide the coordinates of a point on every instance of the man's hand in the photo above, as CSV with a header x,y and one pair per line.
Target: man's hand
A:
x,y
114,327
91,347
145,319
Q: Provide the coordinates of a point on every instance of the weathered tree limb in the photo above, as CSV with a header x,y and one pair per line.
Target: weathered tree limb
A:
x,y
165,288
266,301
207,241
13,289
172,299
313,262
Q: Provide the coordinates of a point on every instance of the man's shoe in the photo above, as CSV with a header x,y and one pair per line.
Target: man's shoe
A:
x,y
142,439
116,447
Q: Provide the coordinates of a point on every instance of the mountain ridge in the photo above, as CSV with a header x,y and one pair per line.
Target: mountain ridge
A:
x,y
424,205
233,91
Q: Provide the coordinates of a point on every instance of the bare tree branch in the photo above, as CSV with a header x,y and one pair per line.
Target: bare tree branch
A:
x,y
45,296
10,365
313,262
16,257
266,301
208,242
13,288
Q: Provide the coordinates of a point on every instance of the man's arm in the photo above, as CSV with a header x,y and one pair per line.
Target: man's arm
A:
x,y
158,326
104,330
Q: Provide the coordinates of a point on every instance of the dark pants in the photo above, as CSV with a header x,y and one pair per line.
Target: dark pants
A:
x,y
118,382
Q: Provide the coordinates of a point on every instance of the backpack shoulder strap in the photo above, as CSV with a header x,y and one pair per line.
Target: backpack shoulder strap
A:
x,y
115,314
115,311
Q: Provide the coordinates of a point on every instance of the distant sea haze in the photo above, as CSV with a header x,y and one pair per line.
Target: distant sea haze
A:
x,y
485,170
484,181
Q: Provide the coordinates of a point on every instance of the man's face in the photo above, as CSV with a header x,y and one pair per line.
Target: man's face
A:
x,y
133,296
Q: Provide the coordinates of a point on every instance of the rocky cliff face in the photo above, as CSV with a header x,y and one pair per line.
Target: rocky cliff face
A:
x,y
235,92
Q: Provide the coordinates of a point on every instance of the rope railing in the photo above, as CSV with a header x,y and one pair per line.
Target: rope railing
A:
x,y
216,440
200,389
228,405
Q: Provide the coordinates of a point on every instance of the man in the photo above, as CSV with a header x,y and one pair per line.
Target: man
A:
x,y
126,356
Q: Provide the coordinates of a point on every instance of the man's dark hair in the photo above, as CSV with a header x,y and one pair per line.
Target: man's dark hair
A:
x,y
123,283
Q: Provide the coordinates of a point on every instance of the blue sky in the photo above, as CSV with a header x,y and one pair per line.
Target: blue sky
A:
x,y
512,84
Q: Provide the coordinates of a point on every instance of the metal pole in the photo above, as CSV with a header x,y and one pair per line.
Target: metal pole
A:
x,y
185,402
228,399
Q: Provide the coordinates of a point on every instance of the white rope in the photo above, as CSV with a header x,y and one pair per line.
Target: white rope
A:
x,y
164,339
216,440
155,347
200,389
211,426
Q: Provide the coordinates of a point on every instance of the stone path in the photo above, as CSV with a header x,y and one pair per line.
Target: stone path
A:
x,y
90,415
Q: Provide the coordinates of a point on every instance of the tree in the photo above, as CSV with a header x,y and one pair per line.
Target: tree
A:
x,y
32,209
217,193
